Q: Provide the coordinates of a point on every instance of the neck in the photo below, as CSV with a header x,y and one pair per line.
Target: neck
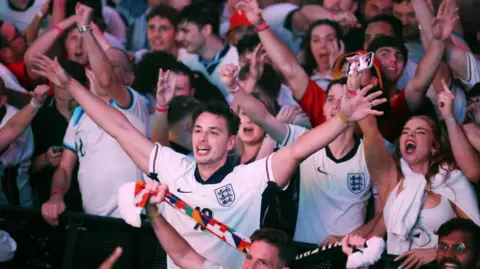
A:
x,y
390,89
180,139
212,46
174,52
343,143
323,69
20,4
421,167
207,170
249,152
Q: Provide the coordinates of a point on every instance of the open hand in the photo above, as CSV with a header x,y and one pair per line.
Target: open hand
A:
x,y
357,107
335,50
443,23
415,258
228,75
165,88
287,114
445,102
257,63
251,10
52,70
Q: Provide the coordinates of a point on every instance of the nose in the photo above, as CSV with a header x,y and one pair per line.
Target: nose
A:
x,y
79,43
403,19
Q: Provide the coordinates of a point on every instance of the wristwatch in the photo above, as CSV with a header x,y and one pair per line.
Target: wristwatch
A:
x,y
85,28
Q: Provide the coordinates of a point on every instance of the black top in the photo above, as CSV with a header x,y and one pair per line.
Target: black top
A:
x,y
49,127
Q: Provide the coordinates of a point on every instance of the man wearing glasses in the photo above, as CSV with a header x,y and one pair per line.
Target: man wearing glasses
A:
x,y
458,245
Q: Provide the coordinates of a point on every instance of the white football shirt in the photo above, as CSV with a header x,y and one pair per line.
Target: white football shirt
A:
x,y
233,196
21,19
333,193
104,166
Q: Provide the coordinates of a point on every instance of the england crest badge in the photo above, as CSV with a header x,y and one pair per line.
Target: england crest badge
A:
x,y
225,195
356,182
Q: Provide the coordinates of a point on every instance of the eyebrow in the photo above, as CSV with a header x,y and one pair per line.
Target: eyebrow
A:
x,y
418,128
210,128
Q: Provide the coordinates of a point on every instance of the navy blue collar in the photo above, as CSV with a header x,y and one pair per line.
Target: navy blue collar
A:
x,y
210,65
216,177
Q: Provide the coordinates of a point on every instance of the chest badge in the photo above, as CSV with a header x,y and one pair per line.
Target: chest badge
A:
x,y
356,182
225,195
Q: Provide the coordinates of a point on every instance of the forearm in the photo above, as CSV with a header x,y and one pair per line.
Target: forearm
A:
x,y
416,89
379,229
310,14
160,128
58,12
177,248
457,60
20,121
367,228
466,156
31,32
425,17
61,180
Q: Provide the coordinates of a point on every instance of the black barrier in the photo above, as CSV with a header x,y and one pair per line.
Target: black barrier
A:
x,y
84,241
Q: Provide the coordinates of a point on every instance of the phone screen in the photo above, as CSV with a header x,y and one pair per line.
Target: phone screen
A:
x,y
361,62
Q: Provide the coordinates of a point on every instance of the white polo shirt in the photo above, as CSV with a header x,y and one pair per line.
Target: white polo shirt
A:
x,y
232,195
473,72
104,166
333,193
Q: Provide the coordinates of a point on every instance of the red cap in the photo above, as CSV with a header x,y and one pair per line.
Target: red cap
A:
x,y
238,19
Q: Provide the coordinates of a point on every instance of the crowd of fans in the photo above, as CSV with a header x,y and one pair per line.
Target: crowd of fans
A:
x,y
244,109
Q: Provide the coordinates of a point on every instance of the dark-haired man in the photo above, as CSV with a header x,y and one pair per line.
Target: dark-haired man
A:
x,y
458,245
211,183
204,51
373,8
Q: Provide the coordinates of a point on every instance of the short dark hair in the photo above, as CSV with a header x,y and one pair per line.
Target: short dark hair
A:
x,y
181,107
202,13
146,72
166,12
248,43
401,1
181,69
310,63
75,70
389,41
220,109
270,82
340,81
395,23
280,240
463,225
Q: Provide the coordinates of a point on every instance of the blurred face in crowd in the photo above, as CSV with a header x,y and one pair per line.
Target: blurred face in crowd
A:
x,y
323,38
182,85
74,47
334,97
405,12
263,255
120,64
161,34
211,140
473,107
192,36
13,45
249,133
456,250
392,62
340,5
376,7
376,29
238,33
417,141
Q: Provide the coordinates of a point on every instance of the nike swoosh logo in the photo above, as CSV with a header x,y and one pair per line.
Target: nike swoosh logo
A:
x,y
320,170
180,191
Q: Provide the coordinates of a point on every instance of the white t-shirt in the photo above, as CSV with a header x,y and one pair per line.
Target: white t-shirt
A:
x,y
211,265
233,196
276,16
473,72
194,63
104,166
333,193
10,80
19,152
21,19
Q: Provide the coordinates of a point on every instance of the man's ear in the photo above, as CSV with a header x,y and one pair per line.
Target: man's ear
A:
x,y
130,77
232,140
207,30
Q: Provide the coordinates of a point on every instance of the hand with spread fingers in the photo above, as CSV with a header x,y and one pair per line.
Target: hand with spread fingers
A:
x,y
257,62
358,106
165,88
335,48
228,75
287,114
50,69
444,22
416,258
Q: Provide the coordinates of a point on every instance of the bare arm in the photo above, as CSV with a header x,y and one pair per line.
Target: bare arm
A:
x,y
165,93
31,32
177,248
58,12
44,43
63,175
100,63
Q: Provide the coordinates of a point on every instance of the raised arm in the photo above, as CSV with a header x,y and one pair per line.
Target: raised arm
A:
x,y
99,61
466,156
177,248
353,108
165,93
132,141
284,59
31,32
20,121
252,107
44,43
416,89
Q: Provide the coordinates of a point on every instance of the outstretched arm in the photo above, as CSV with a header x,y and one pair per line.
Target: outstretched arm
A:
x,y
17,124
285,161
99,61
132,141
466,156
177,248
165,93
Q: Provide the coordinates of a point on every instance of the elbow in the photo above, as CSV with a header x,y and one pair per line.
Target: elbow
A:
x,y
473,175
105,80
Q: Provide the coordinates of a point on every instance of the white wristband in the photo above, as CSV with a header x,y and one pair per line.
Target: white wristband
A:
x,y
35,105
